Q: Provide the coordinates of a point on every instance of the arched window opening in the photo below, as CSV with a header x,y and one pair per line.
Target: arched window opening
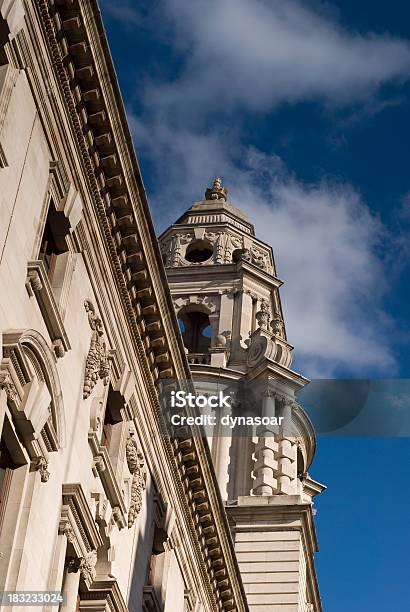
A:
x,y
196,331
199,251
300,462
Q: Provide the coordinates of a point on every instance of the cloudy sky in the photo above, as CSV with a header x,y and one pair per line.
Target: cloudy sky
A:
x,y
303,108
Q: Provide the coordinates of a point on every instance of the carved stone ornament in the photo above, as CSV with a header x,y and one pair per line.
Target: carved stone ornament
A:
x,y
258,258
58,347
257,351
7,385
35,280
41,466
87,566
97,364
277,325
216,192
136,466
69,533
263,315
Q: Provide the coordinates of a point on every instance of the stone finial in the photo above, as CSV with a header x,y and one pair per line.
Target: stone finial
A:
x,y
216,192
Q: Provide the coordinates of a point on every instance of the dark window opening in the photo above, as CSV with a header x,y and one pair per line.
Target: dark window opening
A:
x,y
156,561
300,463
196,331
7,465
53,241
199,251
4,39
112,416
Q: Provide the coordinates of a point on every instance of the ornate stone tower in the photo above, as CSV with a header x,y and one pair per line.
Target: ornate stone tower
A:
x,y
226,295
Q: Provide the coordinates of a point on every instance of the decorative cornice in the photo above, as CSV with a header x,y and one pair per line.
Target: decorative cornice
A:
x,y
108,184
77,522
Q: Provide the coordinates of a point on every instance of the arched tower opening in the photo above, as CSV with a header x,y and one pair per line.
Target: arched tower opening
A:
x,y
199,251
195,328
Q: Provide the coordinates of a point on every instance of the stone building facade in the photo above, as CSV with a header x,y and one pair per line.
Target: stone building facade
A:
x,y
93,500
226,294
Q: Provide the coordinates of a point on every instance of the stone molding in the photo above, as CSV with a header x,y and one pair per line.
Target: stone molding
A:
x,y
103,596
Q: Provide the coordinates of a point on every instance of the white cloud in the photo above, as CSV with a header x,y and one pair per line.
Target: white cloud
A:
x,y
256,54
252,55
324,238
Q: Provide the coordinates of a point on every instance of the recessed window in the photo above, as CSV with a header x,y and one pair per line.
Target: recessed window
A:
x,y
4,39
6,469
196,331
53,240
112,416
199,251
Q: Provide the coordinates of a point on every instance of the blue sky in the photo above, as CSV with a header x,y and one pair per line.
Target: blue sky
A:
x,y
303,108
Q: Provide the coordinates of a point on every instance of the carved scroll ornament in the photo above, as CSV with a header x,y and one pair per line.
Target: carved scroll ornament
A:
x,y
97,364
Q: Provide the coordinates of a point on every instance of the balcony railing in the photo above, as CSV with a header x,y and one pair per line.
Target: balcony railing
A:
x,y
199,358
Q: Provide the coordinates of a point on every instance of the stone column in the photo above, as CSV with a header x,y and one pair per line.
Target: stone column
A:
x,y
242,321
266,447
287,454
226,313
222,458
